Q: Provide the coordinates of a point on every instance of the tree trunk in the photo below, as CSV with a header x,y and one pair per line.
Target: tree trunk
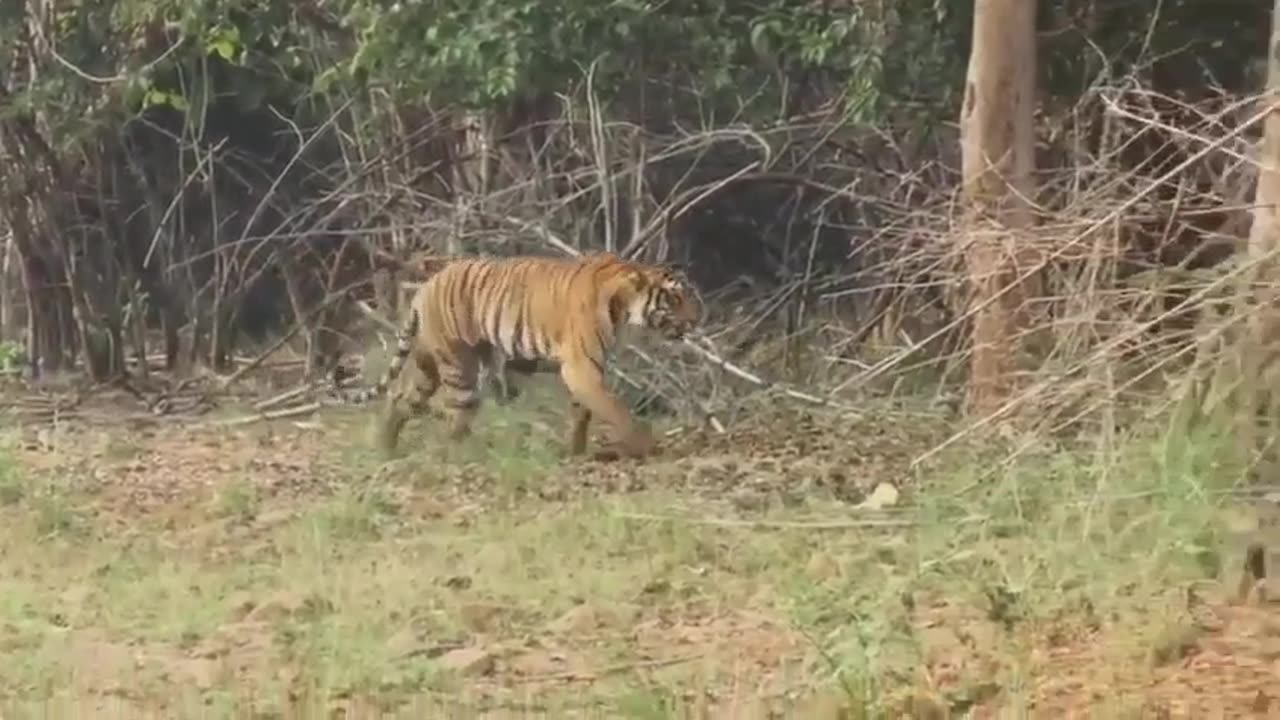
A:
x,y
51,334
997,156
1260,351
8,322
471,176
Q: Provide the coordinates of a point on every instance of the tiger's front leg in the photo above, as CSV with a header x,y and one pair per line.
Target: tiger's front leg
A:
x,y
579,420
591,397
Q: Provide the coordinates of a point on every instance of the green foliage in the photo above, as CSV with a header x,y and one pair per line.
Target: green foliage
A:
x,y
12,356
487,52
751,61
13,487
118,59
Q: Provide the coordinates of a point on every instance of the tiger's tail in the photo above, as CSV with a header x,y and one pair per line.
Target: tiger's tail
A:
x,y
404,346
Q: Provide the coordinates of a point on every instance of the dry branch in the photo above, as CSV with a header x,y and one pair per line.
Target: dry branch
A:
x,y
282,398
760,382
593,675
375,316
266,416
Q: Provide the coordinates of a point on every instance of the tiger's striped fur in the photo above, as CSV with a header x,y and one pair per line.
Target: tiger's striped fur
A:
x,y
501,314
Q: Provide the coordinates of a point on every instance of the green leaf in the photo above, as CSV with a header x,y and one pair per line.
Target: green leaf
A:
x,y
154,97
760,39
225,43
136,89
224,49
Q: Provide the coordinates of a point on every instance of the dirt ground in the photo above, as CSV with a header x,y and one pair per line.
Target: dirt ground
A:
x,y
175,567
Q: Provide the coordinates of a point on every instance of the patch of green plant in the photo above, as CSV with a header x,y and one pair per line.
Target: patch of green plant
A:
x,y
1063,534
12,356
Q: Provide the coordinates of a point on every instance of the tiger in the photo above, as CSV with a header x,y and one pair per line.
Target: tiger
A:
x,y
529,314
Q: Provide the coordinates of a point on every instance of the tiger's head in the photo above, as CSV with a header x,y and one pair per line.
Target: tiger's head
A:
x,y
665,301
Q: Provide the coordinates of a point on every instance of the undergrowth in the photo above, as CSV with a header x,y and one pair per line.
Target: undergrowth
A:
x,y
366,595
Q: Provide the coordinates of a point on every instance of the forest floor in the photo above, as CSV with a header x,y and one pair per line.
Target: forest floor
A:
x,y
186,568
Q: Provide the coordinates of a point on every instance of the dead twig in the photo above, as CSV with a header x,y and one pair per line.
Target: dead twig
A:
x,y
761,382
282,398
706,410
589,676
375,316
265,416
774,524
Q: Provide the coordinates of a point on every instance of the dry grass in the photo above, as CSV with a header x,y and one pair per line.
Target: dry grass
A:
x,y
279,570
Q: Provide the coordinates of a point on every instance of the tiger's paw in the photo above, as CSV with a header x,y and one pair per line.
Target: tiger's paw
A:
x,y
638,443
608,453
641,443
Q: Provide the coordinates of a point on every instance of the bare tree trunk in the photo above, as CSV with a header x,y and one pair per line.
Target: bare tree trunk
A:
x,y
471,175
1260,351
51,335
8,323
997,154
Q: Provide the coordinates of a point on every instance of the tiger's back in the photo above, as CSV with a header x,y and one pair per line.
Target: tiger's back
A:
x,y
526,307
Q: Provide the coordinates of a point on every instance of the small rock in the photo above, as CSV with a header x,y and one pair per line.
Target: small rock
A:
x,y
469,662
885,495
288,675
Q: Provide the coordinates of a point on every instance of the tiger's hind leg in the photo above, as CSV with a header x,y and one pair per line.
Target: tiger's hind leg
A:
x,y
406,399
498,372
459,378
501,371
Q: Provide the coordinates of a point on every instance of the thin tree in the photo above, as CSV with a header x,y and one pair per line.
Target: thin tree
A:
x,y
1264,244
997,157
